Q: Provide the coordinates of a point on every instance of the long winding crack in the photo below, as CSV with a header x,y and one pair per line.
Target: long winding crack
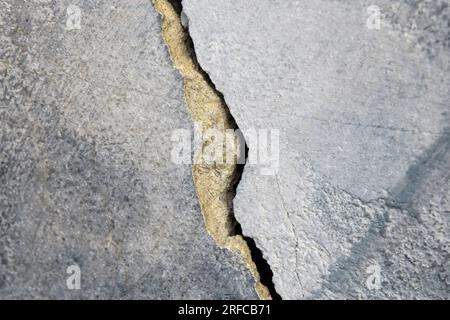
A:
x,y
215,183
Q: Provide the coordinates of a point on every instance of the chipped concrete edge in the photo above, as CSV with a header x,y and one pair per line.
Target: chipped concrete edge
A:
x,y
214,184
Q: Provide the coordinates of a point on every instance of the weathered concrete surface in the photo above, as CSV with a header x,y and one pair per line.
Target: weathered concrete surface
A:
x,y
214,181
86,178
364,177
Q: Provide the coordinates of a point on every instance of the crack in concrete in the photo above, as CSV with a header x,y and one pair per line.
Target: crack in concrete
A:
x,y
294,235
215,183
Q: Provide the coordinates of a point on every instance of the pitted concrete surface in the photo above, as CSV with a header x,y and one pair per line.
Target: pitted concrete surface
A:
x,y
360,204
86,117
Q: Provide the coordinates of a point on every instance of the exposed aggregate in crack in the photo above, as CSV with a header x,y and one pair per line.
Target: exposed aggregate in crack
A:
x,y
215,184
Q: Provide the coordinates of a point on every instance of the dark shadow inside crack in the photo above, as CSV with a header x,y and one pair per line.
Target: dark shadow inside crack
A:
x,y
262,266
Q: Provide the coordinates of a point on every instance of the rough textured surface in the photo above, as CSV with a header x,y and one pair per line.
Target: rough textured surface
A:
x,y
214,181
86,178
364,114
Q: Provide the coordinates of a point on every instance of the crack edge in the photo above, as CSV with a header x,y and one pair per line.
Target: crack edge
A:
x,y
215,185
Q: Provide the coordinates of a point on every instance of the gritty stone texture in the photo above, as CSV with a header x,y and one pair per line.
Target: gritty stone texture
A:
x,y
214,183
86,178
363,114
